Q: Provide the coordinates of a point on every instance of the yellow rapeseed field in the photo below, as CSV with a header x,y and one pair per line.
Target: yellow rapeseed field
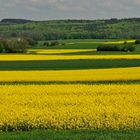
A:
x,y
70,107
119,42
64,103
28,57
115,74
104,42
58,51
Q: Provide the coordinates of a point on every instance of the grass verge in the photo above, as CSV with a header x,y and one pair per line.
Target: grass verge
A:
x,y
71,135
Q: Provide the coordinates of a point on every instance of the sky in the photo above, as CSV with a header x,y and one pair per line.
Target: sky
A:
x,y
69,9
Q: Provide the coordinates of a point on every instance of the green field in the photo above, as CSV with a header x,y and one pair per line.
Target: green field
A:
x,y
75,64
72,135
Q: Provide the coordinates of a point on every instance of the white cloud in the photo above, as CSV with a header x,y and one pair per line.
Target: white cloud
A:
x,y
137,1
72,8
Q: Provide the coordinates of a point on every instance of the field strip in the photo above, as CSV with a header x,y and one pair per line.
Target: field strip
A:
x,y
119,42
20,57
72,75
70,107
103,42
58,51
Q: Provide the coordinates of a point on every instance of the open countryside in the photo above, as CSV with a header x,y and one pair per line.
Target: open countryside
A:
x,y
70,89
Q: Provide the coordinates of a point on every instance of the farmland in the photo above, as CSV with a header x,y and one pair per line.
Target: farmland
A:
x,y
70,107
70,90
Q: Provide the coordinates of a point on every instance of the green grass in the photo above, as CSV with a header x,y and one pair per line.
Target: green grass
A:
x,y
71,135
68,64
72,45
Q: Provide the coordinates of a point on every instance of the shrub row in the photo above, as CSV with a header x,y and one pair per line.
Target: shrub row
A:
x,y
137,41
13,45
124,48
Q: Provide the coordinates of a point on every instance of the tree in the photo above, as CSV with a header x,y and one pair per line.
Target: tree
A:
x,y
14,45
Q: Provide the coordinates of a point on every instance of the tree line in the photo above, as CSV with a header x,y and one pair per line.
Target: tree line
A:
x,y
71,29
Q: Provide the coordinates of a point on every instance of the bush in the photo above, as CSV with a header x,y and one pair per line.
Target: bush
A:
x,y
128,48
51,43
46,44
137,41
108,48
1,47
54,43
14,46
17,46
63,44
125,42
125,48
31,41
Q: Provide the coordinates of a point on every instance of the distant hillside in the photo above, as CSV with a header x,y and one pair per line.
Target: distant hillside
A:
x,y
71,29
15,21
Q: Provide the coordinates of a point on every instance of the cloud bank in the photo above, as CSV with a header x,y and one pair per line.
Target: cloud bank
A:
x,y
60,9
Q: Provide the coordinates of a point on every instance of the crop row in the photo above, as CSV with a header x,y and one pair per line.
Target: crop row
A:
x,y
69,107
115,74
20,57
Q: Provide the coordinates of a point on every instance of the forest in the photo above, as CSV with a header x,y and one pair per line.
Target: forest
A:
x,y
71,29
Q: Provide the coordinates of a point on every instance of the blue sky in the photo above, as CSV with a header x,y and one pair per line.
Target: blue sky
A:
x,y
69,9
